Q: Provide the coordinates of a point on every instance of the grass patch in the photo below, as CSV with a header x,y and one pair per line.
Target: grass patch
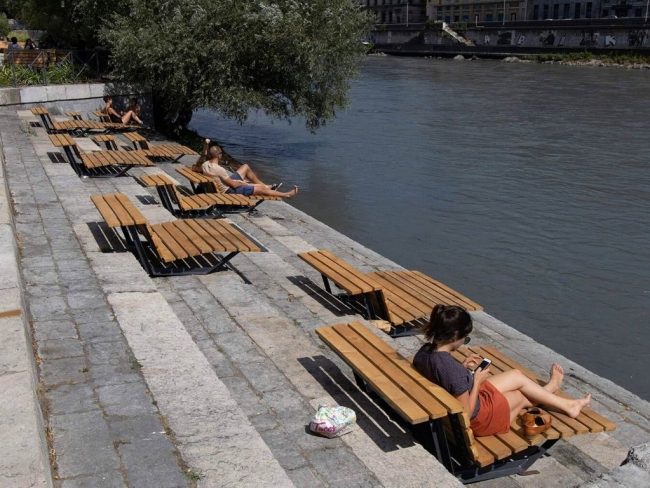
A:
x,y
193,476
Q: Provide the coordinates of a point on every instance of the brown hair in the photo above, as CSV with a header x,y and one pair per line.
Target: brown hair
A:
x,y
447,324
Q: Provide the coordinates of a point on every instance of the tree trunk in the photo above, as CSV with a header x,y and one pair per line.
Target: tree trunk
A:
x,y
170,123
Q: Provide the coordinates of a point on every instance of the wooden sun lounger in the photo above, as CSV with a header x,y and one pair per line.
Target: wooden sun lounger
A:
x,y
102,116
181,247
98,164
399,297
169,151
77,126
74,115
204,184
202,205
437,419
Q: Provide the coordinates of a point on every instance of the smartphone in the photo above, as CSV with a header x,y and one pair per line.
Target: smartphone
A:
x,y
484,364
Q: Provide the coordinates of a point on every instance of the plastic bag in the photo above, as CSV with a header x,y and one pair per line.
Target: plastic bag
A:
x,y
333,421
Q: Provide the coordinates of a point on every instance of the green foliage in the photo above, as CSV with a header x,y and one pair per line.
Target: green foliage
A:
x,y
288,58
4,25
65,72
13,8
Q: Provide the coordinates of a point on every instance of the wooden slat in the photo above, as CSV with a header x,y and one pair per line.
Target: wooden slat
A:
x,y
169,242
105,210
202,242
176,230
340,272
591,418
409,410
402,381
451,404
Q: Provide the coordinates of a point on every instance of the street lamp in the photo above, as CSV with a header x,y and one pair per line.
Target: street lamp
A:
x,y
647,4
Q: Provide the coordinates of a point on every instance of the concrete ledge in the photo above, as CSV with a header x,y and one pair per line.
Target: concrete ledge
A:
x,y
54,93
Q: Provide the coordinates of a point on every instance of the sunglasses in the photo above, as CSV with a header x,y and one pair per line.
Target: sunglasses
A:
x,y
467,339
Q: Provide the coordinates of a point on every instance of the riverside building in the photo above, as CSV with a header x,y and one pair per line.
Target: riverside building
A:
x,y
397,11
407,12
475,11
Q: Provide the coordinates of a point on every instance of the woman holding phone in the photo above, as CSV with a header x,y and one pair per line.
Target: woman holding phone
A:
x,y
492,402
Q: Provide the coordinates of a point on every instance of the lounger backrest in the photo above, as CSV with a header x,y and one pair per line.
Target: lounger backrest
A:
x,y
162,181
118,211
43,113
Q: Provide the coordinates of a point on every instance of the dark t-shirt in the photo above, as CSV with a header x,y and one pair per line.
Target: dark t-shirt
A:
x,y
442,369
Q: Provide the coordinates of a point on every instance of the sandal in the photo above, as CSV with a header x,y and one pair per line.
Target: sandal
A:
x,y
536,421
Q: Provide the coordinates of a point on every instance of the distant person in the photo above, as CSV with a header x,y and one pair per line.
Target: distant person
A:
x,y
134,106
119,117
13,44
29,45
492,402
242,182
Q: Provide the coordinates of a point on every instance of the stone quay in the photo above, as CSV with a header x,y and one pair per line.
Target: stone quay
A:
x,y
110,378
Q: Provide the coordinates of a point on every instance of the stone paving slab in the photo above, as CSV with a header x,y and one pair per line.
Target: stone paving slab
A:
x,y
23,453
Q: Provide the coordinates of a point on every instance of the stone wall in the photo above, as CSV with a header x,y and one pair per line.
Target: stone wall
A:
x,y
83,97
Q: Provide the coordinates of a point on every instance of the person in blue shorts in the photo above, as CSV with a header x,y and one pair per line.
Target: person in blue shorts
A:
x,y
244,181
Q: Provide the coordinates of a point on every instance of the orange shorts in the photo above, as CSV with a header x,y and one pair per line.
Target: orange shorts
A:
x,y
494,414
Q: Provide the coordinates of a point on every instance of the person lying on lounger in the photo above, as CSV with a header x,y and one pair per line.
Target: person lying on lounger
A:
x,y
244,181
493,402
123,117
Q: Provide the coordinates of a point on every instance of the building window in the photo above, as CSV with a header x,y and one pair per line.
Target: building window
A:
x,y
588,10
488,17
576,14
545,12
567,11
556,11
638,13
605,12
536,12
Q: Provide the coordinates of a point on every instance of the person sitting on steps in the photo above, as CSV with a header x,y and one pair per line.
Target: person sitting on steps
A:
x,y
492,402
244,181
124,117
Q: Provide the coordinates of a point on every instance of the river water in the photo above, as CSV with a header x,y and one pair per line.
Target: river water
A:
x,y
525,186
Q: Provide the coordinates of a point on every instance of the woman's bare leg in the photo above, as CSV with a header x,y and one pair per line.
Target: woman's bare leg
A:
x,y
130,115
515,380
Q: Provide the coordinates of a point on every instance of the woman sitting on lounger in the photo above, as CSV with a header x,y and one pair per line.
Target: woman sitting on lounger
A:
x,y
243,181
123,117
493,402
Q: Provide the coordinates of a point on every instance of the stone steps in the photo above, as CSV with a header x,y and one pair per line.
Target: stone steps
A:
x,y
210,380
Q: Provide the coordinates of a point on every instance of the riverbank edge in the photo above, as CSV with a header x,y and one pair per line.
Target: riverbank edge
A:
x,y
526,346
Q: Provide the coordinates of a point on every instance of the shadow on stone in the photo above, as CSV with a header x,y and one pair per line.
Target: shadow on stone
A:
x,y
383,429
147,199
339,305
107,239
56,157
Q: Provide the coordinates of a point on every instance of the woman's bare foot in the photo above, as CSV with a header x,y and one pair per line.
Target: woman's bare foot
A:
x,y
556,377
576,406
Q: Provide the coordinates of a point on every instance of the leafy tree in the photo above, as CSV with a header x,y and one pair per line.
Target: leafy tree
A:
x,y
12,8
4,25
285,57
